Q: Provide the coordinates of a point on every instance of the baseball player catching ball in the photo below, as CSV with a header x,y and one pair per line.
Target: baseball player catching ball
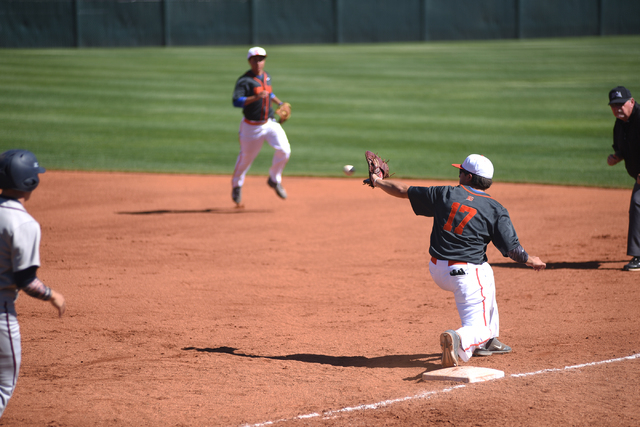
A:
x,y
254,95
465,220
19,260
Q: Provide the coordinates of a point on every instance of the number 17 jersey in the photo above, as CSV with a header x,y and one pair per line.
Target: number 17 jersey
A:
x,y
465,220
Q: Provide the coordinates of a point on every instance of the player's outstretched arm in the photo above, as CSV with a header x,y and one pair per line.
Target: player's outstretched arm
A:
x,y
393,188
535,263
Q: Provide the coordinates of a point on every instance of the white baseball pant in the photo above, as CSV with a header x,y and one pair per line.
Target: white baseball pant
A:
x,y
252,137
474,289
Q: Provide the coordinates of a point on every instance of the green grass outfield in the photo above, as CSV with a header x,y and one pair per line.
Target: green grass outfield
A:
x,y
537,108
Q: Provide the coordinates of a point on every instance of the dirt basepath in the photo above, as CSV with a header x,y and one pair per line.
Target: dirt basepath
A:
x,y
184,311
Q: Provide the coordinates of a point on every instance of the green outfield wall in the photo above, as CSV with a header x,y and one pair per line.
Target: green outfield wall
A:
x,y
118,23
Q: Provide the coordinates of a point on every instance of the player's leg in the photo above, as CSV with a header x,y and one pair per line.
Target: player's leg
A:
x,y
449,340
475,300
251,139
486,273
474,291
633,236
464,282
277,138
10,354
493,345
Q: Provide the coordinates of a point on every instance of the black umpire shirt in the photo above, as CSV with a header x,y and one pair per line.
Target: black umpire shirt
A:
x,y
626,141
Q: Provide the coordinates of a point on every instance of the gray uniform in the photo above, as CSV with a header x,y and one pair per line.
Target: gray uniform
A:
x,y
19,250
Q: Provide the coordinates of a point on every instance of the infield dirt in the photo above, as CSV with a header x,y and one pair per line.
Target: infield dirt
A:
x,y
185,311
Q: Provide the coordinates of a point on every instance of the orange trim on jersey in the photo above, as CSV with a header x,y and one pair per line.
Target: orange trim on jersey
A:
x,y
449,263
479,193
265,101
263,83
254,123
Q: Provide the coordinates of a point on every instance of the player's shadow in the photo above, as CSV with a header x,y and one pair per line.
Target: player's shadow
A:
x,y
224,211
578,265
423,361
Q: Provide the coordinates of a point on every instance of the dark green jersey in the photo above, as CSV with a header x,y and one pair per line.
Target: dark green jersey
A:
x,y
465,220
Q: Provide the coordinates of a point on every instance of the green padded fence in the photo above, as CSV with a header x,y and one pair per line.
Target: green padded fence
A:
x,y
106,23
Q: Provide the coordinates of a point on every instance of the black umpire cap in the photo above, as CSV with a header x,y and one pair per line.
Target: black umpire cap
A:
x,y
619,95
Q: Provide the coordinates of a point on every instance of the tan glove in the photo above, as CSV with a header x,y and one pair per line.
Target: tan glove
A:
x,y
284,112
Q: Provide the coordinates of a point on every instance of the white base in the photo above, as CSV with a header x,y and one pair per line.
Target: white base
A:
x,y
465,374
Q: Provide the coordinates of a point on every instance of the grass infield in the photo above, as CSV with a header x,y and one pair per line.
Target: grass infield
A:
x,y
537,108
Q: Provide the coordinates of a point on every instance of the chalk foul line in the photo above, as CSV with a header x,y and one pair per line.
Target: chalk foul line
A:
x,y
428,394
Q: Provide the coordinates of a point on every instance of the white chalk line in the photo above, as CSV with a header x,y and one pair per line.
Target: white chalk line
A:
x,y
428,394
584,365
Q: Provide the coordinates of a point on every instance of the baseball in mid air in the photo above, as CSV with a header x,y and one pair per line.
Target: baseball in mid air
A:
x,y
348,169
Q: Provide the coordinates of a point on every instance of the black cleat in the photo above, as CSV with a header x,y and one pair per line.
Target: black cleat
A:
x,y
236,195
278,187
493,346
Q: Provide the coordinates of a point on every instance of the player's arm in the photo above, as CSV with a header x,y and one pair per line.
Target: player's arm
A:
x,y
391,187
518,254
258,93
275,99
253,98
245,94
241,101
27,281
239,95
535,263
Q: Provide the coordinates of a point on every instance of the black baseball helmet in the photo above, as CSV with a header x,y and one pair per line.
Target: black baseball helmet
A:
x,y
19,170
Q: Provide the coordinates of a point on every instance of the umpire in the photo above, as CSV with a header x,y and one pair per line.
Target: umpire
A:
x,y
626,146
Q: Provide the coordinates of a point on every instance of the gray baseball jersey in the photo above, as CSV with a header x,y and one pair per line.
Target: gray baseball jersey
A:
x,y
19,250
19,244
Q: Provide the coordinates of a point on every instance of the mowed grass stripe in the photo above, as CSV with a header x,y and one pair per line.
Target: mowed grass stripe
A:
x,y
537,107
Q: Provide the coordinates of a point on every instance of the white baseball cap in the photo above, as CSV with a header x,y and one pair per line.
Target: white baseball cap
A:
x,y
477,165
256,51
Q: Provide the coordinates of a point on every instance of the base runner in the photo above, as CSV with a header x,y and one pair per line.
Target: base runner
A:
x,y
19,260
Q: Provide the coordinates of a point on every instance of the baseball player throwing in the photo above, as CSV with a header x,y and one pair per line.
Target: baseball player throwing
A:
x,y
465,220
254,95
19,260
